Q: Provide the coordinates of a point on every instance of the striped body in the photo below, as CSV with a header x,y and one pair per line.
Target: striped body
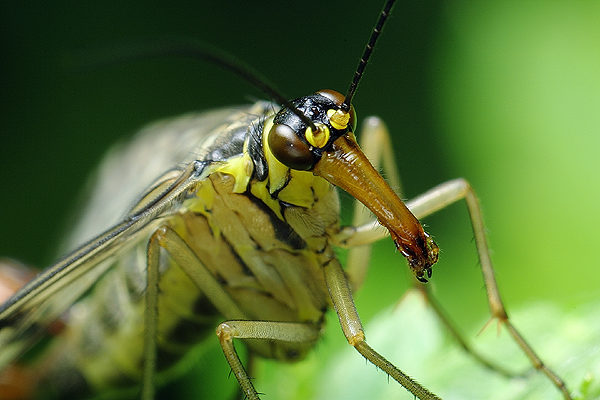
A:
x,y
262,231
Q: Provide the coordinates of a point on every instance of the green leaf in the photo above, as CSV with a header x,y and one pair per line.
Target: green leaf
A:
x,y
411,336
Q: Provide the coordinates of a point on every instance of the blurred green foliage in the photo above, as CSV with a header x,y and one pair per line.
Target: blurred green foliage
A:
x,y
412,337
505,94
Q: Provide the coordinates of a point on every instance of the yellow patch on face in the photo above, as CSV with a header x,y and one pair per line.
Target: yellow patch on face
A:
x,y
318,138
338,119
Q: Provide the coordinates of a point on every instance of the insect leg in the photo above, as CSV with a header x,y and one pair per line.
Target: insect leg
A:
x,y
238,327
187,260
167,239
250,369
449,324
444,318
376,145
291,332
459,189
150,317
341,297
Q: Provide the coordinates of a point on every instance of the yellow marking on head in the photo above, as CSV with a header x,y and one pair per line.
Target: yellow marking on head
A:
x,y
318,138
338,119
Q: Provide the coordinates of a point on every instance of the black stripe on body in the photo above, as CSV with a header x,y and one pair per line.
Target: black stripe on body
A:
x,y
255,149
283,231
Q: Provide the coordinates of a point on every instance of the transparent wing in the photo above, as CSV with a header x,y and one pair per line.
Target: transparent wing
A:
x,y
24,317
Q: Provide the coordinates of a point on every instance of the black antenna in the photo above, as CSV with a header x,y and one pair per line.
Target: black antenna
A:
x,y
200,51
249,74
360,69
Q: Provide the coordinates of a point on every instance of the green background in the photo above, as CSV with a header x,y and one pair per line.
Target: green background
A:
x,y
505,94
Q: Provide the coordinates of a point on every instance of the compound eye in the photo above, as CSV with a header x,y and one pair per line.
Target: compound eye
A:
x,y
289,149
332,95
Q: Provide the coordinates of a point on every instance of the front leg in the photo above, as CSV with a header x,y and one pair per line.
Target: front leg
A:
x,y
341,296
165,238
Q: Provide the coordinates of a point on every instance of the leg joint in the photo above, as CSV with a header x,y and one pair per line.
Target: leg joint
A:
x,y
226,332
357,338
